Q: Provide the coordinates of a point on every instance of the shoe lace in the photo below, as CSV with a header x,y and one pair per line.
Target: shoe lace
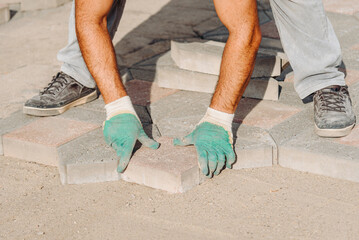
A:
x,y
57,83
332,100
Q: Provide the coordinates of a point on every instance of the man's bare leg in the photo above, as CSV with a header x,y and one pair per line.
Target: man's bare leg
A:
x,y
241,20
123,127
213,135
97,48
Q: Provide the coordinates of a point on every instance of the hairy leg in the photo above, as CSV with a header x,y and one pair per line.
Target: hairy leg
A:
x,y
241,20
97,48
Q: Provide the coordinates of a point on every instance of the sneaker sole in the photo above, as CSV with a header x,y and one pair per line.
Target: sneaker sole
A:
x,y
43,112
333,132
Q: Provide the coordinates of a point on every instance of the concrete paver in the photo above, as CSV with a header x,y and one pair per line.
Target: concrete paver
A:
x,y
4,13
345,7
264,114
270,30
190,56
144,93
169,75
31,5
169,168
308,152
14,121
39,140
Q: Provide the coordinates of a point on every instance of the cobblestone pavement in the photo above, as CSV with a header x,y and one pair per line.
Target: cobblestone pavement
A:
x,y
261,198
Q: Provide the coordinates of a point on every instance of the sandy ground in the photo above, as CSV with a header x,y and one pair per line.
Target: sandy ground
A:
x,y
267,203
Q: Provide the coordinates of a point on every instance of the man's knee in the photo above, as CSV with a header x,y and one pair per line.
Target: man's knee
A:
x,y
241,20
91,12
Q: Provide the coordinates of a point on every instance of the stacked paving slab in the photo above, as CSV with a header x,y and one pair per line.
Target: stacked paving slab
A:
x,y
195,67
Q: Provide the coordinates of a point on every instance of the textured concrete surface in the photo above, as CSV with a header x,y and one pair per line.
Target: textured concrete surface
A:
x,y
206,58
14,121
254,147
31,5
169,75
4,13
169,168
39,140
310,153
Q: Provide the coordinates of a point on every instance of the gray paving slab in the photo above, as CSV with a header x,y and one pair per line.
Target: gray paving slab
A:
x,y
4,13
182,109
169,75
189,56
14,121
169,168
32,5
254,147
347,29
80,160
207,26
310,153
94,112
89,159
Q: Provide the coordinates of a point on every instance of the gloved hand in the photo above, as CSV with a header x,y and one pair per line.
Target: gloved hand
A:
x,y
122,130
213,141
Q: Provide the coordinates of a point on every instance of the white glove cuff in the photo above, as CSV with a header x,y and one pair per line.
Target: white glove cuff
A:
x,y
219,118
121,105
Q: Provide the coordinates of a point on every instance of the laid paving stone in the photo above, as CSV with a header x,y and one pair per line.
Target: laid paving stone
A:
x,y
94,112
146,52
310,153
4,13
144,73
178,114
39,140
270,30
144,93
88,159
254,147
169,168
31,5
189,56
264,114
352,76
290,97
14,121
263,4
352,139
344,7
168,75
207,26
263,17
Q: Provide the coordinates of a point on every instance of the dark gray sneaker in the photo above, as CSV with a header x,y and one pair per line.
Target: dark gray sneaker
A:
x,y
333,113
62,93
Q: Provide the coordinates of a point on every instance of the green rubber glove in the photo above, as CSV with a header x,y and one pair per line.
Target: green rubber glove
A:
x,y
121,133
213,147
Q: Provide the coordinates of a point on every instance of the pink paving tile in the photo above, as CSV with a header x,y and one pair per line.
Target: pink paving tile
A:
x,y
352,139
341,6
355,47
270,30
289,77
351,77
143,92
169,168
38,141
263,114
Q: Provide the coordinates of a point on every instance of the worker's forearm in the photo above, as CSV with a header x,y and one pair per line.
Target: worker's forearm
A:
x,y
98,53
240,17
